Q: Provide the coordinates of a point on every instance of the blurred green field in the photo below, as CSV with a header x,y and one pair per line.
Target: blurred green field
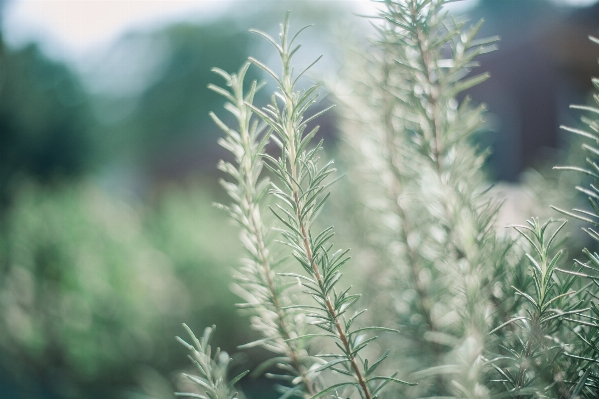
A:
x,y
95,287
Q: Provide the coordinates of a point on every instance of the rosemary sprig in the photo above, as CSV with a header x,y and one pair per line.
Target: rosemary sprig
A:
x,y
212,369
302,194
257,282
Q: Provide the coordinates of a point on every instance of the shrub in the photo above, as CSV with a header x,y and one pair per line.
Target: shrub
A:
x,y
93,286
473,314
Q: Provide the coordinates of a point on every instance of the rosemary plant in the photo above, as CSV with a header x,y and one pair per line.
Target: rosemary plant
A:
x,y
586,325
549,349
212,369
442,218
302,192
532,361
257,283
479,317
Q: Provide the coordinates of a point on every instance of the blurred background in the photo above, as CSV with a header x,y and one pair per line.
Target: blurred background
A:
x,y
108,237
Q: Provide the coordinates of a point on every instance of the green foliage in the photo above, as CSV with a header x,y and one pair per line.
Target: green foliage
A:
x,y
435,218
456,309
479,317
264,292
301,193
587,323
535,341
74,262
212,368
44,116
93,286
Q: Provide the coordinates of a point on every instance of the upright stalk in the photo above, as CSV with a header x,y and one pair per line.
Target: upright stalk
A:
x,y
257,275
302,195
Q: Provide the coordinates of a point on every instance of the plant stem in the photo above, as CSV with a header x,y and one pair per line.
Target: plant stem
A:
x,y
256,227
341,333
330,308
523,367
432,94
394,192
292,350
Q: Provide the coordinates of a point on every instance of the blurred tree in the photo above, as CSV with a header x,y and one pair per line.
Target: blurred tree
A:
x,y
92,288
44,119
169,133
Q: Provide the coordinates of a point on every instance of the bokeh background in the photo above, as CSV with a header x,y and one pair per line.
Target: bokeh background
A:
x,y
108,237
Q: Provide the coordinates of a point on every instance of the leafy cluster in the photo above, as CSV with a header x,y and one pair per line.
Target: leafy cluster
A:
x,y
533,344
473,314
442,233
586,323
212,368
549,348
298,198
302,192
258,284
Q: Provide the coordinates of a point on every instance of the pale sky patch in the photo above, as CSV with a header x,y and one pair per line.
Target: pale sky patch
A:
x,y
70,27
84,32
575,3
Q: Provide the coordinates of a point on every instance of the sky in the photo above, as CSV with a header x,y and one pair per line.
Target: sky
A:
x,y
71,27
83,32
66,28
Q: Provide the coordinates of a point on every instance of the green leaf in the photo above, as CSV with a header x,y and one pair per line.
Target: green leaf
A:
x,y
466,84
390,379
236,379
332,388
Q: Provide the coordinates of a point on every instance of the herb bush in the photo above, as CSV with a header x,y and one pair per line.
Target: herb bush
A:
x,y
456,308
84,276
